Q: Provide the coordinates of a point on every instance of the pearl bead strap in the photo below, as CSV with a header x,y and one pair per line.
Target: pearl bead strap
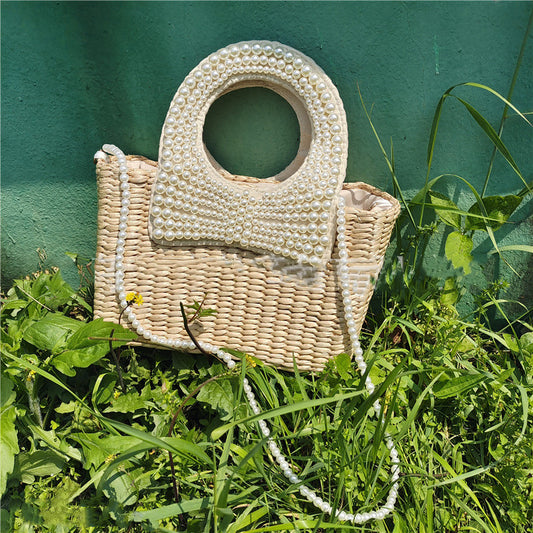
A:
x,y
187,344
192,201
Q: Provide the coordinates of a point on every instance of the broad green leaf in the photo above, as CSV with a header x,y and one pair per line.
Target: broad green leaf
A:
x,y
57,514
89,344
7,394
510,342
14,304
129,402
498,208
120,486
466,345
445,209
104,388
52,441
64,407
219,395
97,450
343,364
97,332
8,432
526,342
39,463
50,290
458,250
64,367
50,332
450,293
70,359
458,386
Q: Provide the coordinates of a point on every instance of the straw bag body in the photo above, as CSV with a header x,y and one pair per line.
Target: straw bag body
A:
x,y
262,253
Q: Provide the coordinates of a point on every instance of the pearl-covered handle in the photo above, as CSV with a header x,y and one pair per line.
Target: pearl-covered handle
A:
x,y
290,215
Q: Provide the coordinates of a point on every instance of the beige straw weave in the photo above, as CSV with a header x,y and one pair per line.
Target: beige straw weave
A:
x,y
267,306
260,310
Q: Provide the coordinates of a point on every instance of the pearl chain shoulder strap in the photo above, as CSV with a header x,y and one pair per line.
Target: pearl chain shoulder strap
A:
x,y
293,217
193,202
357,353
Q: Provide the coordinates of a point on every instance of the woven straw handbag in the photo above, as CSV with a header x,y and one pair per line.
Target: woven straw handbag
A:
x,y
264,253
288,262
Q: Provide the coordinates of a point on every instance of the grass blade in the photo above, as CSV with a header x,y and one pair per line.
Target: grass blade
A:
x,y
514,247
174,509
490,132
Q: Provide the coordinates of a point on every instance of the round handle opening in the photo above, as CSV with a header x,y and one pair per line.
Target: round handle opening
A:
x,y
257,131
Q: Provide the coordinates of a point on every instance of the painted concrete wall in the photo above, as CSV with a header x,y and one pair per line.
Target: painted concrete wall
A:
x,y
78,74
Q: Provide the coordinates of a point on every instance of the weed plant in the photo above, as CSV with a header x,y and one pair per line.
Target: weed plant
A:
x,y
85,444
99,436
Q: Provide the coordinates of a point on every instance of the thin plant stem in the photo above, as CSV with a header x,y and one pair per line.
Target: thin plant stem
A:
x,y
190,334
117,362
173,423
189,396
34,401
390,161
182,405
35,300
110,339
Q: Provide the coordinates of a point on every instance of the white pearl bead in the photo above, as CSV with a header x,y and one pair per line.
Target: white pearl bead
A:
x,y
304,491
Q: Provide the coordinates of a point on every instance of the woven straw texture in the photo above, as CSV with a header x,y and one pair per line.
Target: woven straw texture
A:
x,y
264,308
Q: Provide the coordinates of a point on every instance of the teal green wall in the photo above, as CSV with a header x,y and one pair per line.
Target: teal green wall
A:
x,y
76,75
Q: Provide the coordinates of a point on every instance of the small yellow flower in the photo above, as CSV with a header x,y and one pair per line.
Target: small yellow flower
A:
x,y
116,394
31,375
109,458
134,298
250,361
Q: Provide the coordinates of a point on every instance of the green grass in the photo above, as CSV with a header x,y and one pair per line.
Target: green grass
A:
x,y
79,449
